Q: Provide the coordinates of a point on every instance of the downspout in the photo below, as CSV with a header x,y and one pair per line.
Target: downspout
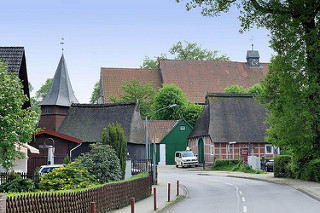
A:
x,y
74,149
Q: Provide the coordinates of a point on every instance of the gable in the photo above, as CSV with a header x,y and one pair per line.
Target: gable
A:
x,y
197,78
161,127
112,79
178,134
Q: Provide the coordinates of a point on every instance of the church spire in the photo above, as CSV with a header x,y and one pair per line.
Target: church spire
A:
x,y
60,92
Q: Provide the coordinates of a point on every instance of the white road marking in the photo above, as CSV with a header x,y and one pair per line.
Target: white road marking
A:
x,y
243,199
240,192
245,209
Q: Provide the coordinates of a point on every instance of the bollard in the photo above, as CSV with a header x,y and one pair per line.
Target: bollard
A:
x,y
92,207
155,198
132,205
169,184
177,188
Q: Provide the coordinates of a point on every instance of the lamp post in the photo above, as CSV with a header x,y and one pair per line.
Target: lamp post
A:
x,y
154,143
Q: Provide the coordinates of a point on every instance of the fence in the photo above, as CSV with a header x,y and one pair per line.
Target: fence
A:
x,y
4,176
107,198
138,166
35,162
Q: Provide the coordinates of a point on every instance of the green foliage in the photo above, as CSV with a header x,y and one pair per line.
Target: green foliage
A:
x,y
16,183
168,95
34,103
222,162
95,93
116,139
255,89
192,113
282,167
16,124
66,160
134,90
192,51
71,176
235,89
102,162
44,89
311,171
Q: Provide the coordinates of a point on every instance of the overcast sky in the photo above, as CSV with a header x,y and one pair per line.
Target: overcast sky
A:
x,y
104,33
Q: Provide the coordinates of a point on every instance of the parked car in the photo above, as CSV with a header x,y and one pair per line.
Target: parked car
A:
x,y
267,165
185,158
48,168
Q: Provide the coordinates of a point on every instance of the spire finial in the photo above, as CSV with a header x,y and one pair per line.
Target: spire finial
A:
x,y
62,43
251,39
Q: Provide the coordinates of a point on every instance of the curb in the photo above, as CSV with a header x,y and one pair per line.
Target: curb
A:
x,y
315,197
175,202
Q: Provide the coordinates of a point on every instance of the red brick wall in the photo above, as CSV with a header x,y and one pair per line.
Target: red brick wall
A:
x,y
54,118
2,203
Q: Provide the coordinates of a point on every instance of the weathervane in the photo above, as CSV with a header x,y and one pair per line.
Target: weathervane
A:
x,y
62,43
251,39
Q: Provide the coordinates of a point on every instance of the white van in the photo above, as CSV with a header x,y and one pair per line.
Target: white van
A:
x,y
185,158
44,169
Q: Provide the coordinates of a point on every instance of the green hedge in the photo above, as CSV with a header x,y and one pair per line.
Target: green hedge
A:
x,y
222,162
282,167
311,171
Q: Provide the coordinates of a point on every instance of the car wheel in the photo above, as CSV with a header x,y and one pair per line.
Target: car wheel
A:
x,y
176,165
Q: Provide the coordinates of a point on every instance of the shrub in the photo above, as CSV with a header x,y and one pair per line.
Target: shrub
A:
x,y
222,162
71,176
66,160
102,162
282,166
311,171
16,183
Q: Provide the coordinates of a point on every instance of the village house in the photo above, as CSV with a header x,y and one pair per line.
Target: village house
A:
x,y
231,126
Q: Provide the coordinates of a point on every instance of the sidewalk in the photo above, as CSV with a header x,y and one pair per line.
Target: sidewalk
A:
x,y
147,205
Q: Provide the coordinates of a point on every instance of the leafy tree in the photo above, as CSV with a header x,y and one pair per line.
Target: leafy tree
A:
x,y
34,103
192,113
95,94
44,89
235,89
16,124
102,162
133,90
256,89
168,95
189,52
116,139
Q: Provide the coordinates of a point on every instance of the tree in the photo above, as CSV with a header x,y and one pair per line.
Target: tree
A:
x,y
255,89
34,103
189,52
133,90
44,89
116,139
192,113
95,94
168,95
16,124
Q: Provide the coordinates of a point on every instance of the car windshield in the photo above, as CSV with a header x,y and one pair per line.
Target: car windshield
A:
x,y
187,154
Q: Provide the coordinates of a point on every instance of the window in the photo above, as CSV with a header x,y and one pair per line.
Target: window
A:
x,y
182,128
268,149
212,149
47,109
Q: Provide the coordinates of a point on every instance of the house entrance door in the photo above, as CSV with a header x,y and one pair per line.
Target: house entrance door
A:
x,y
200,151
162,154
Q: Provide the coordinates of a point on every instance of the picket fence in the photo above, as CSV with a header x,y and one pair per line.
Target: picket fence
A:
x,y
107,198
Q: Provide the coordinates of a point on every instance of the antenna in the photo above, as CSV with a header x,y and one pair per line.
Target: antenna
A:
x,y
251,39
62,43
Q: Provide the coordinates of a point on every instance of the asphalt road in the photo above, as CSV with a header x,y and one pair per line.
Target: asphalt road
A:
x,y
217,194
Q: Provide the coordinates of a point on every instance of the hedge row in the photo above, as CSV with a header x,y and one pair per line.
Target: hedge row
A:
x,y
281,166
222,162
311,171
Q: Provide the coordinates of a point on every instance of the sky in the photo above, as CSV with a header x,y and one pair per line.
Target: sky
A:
x,y
100,33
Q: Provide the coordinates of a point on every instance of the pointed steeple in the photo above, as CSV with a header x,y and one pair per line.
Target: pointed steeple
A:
x,y
60,92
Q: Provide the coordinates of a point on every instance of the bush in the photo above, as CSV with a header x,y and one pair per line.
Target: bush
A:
x,y
71,176
102,162
282,166
311,171
16,183
223,162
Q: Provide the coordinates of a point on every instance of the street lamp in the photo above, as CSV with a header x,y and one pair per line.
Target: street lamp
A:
x,y
154,144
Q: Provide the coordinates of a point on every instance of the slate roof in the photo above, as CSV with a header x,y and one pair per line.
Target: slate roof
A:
x,y
113,79
60,92
15,59
232,117
197,78
162,128
87,121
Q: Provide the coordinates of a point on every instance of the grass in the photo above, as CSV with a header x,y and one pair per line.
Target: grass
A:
x,y
237,168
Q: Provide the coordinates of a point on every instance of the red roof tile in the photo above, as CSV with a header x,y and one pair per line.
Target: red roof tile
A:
x,y
59,135
113,79
197,78
162,128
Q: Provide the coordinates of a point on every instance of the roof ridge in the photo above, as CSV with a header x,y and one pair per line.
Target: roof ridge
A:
x,y
104,105
244,95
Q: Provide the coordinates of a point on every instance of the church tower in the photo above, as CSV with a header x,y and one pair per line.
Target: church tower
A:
x,y
55,106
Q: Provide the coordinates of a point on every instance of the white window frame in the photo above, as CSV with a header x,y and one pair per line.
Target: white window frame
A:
x,y
265,149
212,149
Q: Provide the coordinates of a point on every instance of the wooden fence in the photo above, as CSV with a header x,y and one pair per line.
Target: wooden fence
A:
x,y
107,198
